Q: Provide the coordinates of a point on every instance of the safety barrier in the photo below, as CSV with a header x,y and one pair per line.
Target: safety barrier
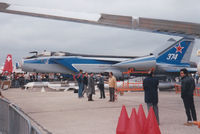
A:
x,y
178,90
13,121
4,116
132,86
135,72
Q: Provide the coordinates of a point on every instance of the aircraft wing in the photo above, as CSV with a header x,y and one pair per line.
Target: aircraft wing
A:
x,y
177,28
63,63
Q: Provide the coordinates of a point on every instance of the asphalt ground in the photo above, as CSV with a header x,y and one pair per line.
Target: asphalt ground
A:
x,y
64,113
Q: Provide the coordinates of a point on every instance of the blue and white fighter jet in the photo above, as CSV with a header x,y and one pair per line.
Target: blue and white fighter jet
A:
x,y
168,61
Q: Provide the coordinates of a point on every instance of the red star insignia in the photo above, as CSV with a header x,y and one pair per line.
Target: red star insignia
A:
x,y
179,48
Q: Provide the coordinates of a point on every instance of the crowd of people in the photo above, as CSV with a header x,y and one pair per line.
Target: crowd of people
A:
x,y
20,79
86,83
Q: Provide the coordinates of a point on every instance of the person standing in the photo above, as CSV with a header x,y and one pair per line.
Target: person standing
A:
x,y
91,87
85,84
101,87
112,86
150,85
79,79
187,91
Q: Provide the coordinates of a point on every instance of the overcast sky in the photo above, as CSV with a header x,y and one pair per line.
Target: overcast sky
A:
x,y
21,34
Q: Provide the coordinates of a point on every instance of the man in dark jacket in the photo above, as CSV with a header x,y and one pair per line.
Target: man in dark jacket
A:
x,y
150,85
187,89
91,87
101,86
79,79
85,84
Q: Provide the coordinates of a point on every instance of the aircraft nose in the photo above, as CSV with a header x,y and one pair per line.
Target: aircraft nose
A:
x,y
24,66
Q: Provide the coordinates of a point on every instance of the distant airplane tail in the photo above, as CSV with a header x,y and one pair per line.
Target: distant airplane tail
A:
x,y
8,68
178,53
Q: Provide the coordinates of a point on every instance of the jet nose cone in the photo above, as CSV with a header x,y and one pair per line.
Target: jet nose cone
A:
x,y
25,67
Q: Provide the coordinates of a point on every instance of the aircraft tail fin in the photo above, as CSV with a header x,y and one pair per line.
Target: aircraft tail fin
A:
x,y
8,68
178,53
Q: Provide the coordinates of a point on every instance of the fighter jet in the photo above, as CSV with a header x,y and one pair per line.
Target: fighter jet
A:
x,y
168,61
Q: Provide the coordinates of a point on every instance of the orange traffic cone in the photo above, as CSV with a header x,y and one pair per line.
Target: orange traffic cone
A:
x,y
122,122
196,123
133,126
141,117
151,125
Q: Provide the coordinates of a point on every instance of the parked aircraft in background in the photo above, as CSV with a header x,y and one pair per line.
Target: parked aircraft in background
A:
x,y
8,67
167,61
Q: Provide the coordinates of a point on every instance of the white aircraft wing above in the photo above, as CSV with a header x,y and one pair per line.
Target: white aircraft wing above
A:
x,y
177,28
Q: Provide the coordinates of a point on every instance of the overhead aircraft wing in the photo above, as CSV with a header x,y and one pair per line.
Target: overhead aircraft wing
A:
x,y
177,28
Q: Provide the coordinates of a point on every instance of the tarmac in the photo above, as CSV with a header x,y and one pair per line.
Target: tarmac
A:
x,y
65,113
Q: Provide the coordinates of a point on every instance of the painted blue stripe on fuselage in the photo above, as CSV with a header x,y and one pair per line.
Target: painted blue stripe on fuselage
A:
x,y
77,60
69,61
36,61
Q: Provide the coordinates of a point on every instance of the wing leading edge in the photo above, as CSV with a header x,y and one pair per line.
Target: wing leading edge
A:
x,y
177,28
